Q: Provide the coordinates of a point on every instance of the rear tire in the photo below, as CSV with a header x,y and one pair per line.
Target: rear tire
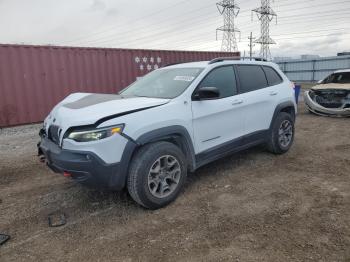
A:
x,y
282,134
157,174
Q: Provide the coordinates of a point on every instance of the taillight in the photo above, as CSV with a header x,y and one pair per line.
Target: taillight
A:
x,y
66,174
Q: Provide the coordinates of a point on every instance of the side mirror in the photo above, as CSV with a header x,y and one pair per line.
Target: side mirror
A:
x,y
206,93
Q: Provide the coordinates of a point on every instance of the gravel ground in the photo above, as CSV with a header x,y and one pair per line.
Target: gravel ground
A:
x,y
252,206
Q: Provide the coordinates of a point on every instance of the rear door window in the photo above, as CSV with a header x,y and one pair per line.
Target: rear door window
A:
x,y
272,76
251,78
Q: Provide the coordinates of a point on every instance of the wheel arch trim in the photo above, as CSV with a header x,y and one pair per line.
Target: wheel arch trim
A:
x,y
280,107
177,133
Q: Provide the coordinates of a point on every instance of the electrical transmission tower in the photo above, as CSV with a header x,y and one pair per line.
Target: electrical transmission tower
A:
x,y
265,15
229,10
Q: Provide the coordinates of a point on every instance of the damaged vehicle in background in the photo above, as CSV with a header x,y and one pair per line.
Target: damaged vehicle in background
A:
x,y
331,97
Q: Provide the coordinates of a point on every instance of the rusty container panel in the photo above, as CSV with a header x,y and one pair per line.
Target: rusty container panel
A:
x,y
33,79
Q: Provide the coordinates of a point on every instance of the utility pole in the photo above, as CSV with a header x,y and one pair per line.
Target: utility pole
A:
x,y
265,15
229,10
251,45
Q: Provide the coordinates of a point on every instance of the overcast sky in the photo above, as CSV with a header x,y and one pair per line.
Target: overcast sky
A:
x,y
304,26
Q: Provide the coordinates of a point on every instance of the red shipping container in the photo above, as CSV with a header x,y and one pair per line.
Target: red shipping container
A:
x,y
33,79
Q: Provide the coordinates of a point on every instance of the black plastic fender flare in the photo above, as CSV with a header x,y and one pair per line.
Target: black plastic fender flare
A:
x,y
279,108
177,133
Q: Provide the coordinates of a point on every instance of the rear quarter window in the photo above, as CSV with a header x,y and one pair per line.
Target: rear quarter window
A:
x,y
251,78
272,76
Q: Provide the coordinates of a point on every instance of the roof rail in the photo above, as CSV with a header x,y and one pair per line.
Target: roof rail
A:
x,y
222,59
171,64
255,58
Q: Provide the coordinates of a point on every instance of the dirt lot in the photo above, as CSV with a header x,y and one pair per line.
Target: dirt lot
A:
x,y
252,206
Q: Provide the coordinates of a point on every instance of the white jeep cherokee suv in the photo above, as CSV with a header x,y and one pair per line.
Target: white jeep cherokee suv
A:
x,y
173,120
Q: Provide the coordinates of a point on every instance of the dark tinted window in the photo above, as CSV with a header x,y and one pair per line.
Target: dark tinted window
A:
x,y
251,78
224,79
272,76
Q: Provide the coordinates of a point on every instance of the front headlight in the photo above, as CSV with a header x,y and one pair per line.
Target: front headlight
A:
x,y
94,135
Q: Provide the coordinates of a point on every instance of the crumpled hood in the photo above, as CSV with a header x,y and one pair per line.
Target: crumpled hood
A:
x,y
332,86
81,109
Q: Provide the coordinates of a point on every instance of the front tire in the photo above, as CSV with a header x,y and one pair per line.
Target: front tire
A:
x,y
282,134
157,174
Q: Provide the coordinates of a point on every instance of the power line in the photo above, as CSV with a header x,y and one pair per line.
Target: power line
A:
x,y
207,47
194,45
301,8
206,18
277,36
145,37
167,32
161,22
311,36
215,46
170,32
184,43
135,20
200,36
141,19
163,34
154,34
309,17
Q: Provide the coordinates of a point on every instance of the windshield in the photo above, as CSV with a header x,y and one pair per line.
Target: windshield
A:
x,y
338,78
163,83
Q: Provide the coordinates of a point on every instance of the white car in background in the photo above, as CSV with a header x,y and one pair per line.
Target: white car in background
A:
x,y
174,120
331,97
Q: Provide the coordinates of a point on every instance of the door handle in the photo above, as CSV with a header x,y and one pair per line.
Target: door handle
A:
x,y
237,102
273,93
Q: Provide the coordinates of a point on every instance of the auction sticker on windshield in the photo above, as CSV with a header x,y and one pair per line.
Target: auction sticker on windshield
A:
x,y
184,78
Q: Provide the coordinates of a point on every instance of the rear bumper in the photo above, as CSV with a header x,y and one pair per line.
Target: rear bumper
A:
x,y
84,167
320,110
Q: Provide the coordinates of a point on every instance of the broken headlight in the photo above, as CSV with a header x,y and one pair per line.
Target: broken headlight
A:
x,y
94,135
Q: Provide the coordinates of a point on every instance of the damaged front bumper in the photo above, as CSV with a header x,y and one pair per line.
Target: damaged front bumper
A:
x,y
83,167
329,108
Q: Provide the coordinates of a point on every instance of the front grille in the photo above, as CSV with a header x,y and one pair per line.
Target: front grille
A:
x,y
328,103
331,98
54,134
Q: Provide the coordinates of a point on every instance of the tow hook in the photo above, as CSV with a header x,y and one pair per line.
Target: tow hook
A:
x,y
40,152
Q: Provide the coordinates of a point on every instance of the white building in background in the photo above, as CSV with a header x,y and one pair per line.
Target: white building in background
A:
x,y
281,58
288,58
